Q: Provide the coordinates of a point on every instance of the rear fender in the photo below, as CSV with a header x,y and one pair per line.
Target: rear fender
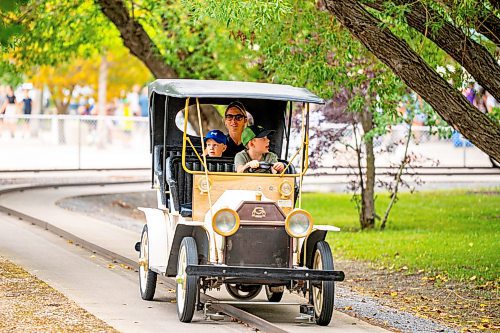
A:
x,y
157,222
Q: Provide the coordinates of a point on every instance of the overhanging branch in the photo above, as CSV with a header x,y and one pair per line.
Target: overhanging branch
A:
x,y
416,73
469,54
135,38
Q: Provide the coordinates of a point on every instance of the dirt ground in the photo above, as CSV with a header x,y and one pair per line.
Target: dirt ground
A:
x,y
464,306
30,305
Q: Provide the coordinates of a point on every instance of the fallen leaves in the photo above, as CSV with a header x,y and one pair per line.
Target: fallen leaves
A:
x,y
37,307
457,304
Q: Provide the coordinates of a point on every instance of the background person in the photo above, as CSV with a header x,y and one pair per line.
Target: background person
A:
x,y
26,106
9,109
255,138
235,120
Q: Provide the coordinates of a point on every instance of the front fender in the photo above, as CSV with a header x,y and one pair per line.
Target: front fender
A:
x,y
318,234
188,229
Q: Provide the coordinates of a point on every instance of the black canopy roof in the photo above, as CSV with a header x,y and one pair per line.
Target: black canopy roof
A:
x,y
182,88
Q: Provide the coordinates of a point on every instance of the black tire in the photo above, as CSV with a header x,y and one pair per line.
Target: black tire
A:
x,y
273,296
323,296
147,278
243,291
186,292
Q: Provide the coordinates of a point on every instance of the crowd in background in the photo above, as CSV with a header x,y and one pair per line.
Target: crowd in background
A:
x,y
135,103
132,103
480,98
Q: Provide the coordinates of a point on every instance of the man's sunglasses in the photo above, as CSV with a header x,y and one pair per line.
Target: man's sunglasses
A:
x,y
237,117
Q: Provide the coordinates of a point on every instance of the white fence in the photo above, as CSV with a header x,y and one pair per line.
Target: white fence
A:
x,y
66,142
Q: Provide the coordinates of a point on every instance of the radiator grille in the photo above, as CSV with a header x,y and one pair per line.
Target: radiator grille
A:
x,y
258,246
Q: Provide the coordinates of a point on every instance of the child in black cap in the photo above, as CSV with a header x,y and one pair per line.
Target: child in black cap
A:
x,y
255,139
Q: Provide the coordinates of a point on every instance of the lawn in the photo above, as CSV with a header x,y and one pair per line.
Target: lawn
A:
x,y
451,233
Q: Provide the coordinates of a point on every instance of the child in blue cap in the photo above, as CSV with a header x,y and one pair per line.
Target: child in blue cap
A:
x,y
215,143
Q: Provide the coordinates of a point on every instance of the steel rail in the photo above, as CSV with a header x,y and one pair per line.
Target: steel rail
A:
x,y
382,170
239,314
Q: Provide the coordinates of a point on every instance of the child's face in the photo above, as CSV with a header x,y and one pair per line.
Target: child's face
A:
x,y
215,149
260,145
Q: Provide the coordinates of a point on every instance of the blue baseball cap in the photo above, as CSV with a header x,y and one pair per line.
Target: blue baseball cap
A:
x,y
216,135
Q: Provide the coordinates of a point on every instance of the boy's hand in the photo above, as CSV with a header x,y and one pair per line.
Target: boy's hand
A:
x,y
253,164
278,166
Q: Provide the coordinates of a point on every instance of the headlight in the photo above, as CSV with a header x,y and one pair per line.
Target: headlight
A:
x,y
285,188
225,222
298,223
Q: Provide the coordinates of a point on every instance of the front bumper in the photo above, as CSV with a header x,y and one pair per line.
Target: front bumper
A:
x,y
264,273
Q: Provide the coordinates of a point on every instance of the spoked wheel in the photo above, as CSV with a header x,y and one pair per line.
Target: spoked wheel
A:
x,y
187,286
243,291
147,278
322,294
273,296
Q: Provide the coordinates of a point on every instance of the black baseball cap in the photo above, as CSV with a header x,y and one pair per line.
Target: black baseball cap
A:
x,y
254,131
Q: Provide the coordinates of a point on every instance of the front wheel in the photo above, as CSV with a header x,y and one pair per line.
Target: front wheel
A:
x,y
322,294
187,286
147,278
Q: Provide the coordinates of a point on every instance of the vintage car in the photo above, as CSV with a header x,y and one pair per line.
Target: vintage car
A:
x,y
215,227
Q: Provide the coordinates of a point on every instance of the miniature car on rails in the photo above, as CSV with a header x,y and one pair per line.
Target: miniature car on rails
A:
x,y
215,227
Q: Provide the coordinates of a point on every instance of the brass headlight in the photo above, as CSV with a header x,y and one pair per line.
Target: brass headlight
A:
x,y
285,189
225,222
298,223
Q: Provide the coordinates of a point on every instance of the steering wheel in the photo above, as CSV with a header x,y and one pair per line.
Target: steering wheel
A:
x,y
262,166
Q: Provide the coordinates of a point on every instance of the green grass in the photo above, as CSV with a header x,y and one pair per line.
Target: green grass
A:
x,y
453,233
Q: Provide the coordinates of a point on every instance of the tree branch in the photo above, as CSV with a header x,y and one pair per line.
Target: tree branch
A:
x,y
488,25
416,73
397,180
471,55
135,38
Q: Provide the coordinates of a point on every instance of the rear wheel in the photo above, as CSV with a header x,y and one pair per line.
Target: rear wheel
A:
x,y
322,294
147,278
273,296
187,286
243,291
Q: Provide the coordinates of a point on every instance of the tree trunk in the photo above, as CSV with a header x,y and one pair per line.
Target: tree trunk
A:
x,y
471,55
414,71
210,118
368,192
136,39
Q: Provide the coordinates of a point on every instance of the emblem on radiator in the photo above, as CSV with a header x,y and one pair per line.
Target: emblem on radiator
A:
x,y
258,212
